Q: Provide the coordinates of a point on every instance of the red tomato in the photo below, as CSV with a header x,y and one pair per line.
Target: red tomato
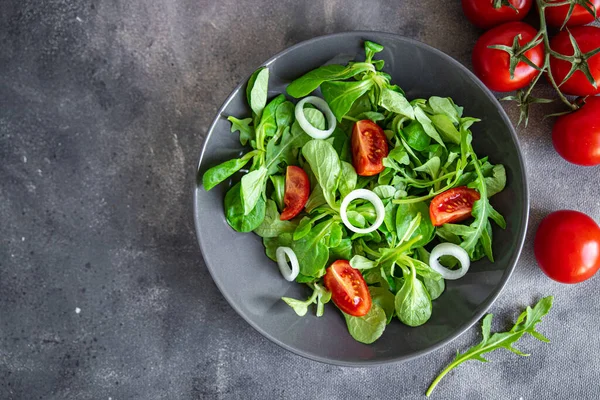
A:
x,y
348,289
567,246
555,16
297,190
453,205
588,39
576,136
369,147
492,65
483,14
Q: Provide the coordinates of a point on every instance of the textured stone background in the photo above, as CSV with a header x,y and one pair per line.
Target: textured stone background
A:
x,y
103,292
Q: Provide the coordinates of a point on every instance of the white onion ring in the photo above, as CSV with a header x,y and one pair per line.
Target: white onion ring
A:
x,y
306,126
449,249
288,273
371,198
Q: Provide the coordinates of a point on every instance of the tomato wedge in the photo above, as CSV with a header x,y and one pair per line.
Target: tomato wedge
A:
x,y
453,205
297,190
348,289
369,147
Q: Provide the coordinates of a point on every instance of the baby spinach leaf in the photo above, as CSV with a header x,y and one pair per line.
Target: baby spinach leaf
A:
x,y
435,287
315,118
362,263
278,190
271,244
341,95
325,165
526,323
219,173
234,211
311,250
405,214
431,167
272,226
446,128
243,126
252,188
413,305
444,106
368,328
415,136
384,299
347,179
304,85
427,126
397,103
256,91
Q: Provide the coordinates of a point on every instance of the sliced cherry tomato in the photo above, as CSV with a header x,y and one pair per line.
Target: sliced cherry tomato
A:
x,y
492,65
483,14
297,190
576,136
453,205
567,246
555,16
369,147
588,39
348,288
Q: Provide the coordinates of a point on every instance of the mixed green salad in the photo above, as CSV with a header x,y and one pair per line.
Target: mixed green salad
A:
x,y
374,199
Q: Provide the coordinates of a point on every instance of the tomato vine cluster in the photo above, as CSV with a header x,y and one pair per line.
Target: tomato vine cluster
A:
x,y
512,56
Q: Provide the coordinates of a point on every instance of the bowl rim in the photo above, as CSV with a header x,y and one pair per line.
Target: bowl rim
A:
x,y
483,307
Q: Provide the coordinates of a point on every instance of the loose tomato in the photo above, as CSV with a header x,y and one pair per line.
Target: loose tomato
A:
x,y
297,190
492,65
483,14
588,39
576,136
555,16
369,147
567,246
453,205
348,288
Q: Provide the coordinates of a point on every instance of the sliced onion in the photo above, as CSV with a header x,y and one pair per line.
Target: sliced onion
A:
x,y
288,273
449,249
371,198
306,126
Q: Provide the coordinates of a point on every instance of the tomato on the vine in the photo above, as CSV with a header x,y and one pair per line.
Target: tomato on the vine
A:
x,y
349,291
555,16
567,246
588,39
453,205
483,13
492,65
369,147
297,191
576,136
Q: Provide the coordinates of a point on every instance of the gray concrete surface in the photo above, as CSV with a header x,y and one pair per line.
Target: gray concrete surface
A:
x,y
104,105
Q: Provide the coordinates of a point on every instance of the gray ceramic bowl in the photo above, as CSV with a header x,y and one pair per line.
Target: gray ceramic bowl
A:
x,y
251,282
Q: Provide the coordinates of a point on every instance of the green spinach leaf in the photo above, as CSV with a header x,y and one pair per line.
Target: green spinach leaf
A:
x,y
368,328
234,211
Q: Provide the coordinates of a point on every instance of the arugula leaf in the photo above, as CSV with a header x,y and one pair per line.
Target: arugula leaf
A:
x,y
252,188
446,128
341,95
285,150
368,328
526,323
243,126
219,173
325,165
496,183
427,126
272,226
444,106
431,167
234,211
304,85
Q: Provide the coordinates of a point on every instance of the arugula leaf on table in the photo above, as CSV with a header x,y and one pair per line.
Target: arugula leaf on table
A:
x,y
526,323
